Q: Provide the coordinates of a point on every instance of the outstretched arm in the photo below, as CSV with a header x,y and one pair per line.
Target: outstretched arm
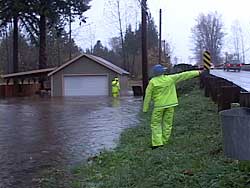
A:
x,y
184,75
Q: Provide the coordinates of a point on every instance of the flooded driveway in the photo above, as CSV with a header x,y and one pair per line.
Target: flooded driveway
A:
x,y
37,134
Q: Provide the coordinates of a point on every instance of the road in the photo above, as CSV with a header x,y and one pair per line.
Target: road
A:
x,y
242,79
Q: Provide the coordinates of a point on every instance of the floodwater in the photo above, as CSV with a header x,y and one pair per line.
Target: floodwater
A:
x,y
42,133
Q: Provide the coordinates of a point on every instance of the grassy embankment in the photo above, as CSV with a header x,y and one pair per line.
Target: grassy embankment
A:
x,y
193,157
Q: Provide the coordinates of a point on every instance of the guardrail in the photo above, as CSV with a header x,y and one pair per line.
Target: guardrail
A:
x,y
246,67
224,92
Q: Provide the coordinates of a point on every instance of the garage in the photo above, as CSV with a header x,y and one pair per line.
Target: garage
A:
x,y
86,85
87,75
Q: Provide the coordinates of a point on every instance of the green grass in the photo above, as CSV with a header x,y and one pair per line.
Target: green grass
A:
x,y
193,157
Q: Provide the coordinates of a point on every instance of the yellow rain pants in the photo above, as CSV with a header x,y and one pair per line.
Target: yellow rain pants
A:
x,y
161,125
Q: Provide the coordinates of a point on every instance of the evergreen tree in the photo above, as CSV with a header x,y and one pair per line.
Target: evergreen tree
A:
x,y
48,14
131,47
28,52
98,49
152,33
10,11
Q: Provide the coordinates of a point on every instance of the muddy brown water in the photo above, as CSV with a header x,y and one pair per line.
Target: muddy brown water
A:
x,y
42,133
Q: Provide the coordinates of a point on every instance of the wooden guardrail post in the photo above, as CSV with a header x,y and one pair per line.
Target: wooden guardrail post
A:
x,y
218,84
202,82
213,89
210,87
228,94
245,99
203,78
207,85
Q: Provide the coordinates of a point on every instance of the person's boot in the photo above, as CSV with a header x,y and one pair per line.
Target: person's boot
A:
x,y
154,147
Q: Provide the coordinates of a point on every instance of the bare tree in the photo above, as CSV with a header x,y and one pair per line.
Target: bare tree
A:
x,y
118,16
238,40
208,34
236,36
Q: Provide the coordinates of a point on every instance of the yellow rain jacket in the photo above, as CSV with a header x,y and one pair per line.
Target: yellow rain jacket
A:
x,y
115,87
162,91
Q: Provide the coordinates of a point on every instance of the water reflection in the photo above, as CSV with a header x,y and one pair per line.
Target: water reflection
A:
x,y
40,133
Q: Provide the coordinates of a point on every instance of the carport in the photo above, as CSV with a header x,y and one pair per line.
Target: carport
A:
x,y
27,83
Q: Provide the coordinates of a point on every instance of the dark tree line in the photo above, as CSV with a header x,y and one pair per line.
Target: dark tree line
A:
x,y
36,18
28,53
38,25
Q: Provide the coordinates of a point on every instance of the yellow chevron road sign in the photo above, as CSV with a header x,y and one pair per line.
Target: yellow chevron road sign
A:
x,y
207,60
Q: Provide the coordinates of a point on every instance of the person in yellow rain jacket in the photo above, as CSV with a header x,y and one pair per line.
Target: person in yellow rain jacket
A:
x,y
161,90
115,87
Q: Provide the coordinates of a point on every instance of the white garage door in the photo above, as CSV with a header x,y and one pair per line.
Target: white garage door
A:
x,y
85,86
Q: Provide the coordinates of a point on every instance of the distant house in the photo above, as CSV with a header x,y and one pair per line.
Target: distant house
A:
x,y
87,75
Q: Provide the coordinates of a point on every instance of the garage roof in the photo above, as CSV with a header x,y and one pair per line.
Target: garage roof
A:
x,y
98,60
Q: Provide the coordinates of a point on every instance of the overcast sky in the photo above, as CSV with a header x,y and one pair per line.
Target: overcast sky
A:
x,y
178,19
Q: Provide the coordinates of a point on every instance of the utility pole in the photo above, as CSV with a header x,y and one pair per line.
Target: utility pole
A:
x,y
70,33
160,39
58,51
164,47
164,51
144,46
121,35
15,44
